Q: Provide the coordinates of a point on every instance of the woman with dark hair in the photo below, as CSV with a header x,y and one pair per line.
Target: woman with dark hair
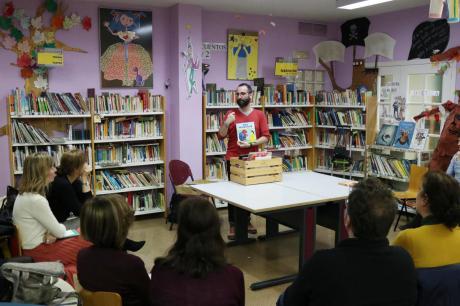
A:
x,y
437,242
195,271
105,221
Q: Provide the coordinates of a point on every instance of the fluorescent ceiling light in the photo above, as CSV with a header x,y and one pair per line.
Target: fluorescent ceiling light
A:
x,y
355,4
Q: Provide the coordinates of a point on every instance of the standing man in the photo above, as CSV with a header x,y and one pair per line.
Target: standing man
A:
x,y
244,116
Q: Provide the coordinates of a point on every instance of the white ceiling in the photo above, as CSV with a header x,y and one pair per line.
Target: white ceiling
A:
x,y
310,10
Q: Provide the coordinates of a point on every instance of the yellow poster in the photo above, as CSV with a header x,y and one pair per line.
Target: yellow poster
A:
x,y
286,68
242,54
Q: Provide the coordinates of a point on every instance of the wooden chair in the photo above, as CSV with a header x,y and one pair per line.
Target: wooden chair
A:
x,y
415,180
99,298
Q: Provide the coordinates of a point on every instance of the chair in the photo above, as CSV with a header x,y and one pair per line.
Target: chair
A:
x,y
438,286
99,298
179,172
15,243
415,179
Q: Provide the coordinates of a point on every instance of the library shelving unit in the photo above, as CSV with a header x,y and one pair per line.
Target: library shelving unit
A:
x,y
346,120
122,137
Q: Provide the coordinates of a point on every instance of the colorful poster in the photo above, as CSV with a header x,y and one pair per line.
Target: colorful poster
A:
x,y
191,66
242,55
126,48
419,139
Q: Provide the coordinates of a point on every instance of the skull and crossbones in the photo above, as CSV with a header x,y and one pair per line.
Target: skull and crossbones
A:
x,y
353,35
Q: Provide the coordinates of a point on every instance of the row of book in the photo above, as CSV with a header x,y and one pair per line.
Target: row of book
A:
x,y
286,118
27,133
216,169
116,103
47,103
55,151
286,94
123,179
386,166
144,201
214,120
118,154
353,118
222,97
347,97
214,144
77,133
128,128
294,163
285,139
331,138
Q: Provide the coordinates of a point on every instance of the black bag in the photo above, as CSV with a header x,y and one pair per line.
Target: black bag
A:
x,y
6,212
341,161
174,205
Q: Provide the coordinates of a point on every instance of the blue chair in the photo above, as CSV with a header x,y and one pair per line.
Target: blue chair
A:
x,y
439,286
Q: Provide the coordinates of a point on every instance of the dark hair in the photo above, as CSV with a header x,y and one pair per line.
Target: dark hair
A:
x,y
247,86
371,208
105,221
199,248
70,161
443,195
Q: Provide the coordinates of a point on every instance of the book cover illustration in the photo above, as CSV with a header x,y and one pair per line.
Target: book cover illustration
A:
x,y
404,134
246,132
419,139
386,135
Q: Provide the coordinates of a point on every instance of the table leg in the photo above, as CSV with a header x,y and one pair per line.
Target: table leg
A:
x,y
241,228
341,232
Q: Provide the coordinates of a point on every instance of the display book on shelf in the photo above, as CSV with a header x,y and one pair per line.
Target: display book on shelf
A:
x,y
123,138
288,114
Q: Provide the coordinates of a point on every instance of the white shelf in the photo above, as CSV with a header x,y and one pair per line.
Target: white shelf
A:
x,y
212,131
290,148
139,164
73,142
149,211
395,149
128,139
391,178
328,171
358,128
50,116
287,105
133,189
120,114
216,153
290,127
323,146
340,106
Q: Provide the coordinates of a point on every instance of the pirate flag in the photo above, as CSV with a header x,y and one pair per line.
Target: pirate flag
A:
x,y
354,31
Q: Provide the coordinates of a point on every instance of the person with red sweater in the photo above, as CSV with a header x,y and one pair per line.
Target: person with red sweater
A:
x,y
244,115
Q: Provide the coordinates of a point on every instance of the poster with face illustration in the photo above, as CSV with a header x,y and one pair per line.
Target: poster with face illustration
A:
x,y
125,48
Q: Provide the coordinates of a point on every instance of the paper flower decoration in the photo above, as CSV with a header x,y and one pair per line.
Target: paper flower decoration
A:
x,y
18,14
49,37
57,21
8,11
76,20
51,5
38,38
68,23
40,82
9,42
24,46
37,22
5,23
17,34
86,23
25,22
26,73
24,61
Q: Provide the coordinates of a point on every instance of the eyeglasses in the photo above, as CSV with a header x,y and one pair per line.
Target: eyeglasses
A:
x,y
241,93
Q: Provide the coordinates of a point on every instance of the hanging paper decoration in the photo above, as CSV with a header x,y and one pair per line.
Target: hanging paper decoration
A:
x,y
429,37
379,44
86,23
436,7
25,36
454,14
354,31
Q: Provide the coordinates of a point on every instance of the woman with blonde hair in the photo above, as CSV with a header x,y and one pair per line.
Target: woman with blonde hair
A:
x,y
105,266
38,228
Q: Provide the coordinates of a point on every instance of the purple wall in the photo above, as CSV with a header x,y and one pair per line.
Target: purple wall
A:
x,y
400,26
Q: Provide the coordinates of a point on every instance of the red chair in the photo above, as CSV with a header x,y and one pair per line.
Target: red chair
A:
x,y
179,172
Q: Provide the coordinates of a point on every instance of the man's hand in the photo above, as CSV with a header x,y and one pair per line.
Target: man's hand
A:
x,y
230,119
244,144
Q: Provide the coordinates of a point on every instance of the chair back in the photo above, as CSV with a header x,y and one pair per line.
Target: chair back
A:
x,y
100,298
15,243
415,177
179,172
439,286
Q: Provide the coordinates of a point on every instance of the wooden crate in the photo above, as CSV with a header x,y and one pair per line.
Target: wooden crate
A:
x,y
250,172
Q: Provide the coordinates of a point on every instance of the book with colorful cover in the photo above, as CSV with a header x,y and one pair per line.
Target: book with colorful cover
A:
x,y
246,132
386,135
419,139
404,134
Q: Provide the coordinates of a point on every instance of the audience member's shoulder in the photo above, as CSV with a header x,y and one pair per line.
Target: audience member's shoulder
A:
x,y
233,270
59,181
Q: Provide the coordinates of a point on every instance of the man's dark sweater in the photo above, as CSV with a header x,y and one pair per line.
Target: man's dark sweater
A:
x,y
356,272
65,197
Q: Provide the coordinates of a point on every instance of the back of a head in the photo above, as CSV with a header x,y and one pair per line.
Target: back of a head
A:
x,y
199,248
35,173
105,221
70,161
443,195
371,208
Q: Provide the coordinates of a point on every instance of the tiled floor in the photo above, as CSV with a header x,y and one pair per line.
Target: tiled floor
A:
x,y
258,261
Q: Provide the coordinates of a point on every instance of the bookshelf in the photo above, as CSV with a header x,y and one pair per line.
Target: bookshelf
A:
x,y
123,138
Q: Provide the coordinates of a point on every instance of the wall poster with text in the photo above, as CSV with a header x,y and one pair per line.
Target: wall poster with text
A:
x,y
242,54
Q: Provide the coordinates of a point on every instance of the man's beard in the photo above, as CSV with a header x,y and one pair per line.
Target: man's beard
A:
x,y
242,102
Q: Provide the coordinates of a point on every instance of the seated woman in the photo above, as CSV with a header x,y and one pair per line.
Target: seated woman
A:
x,y
437,242
195,271
36,223
105,221
70,188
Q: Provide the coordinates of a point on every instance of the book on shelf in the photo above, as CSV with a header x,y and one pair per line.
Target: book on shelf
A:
x,y
144,201
223,97
246,132
127,153
404,134
285,94
216,169
386,135
286,118
108,103
345,98
287,139
214,144
23,132
123,127
294,163
214,120
419,139
351,118
123,179
389,167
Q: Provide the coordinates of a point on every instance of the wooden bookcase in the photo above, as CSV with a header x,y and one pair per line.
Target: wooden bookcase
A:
x,y
130,132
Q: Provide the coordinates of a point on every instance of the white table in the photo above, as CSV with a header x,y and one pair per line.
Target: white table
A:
x,y
291,202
